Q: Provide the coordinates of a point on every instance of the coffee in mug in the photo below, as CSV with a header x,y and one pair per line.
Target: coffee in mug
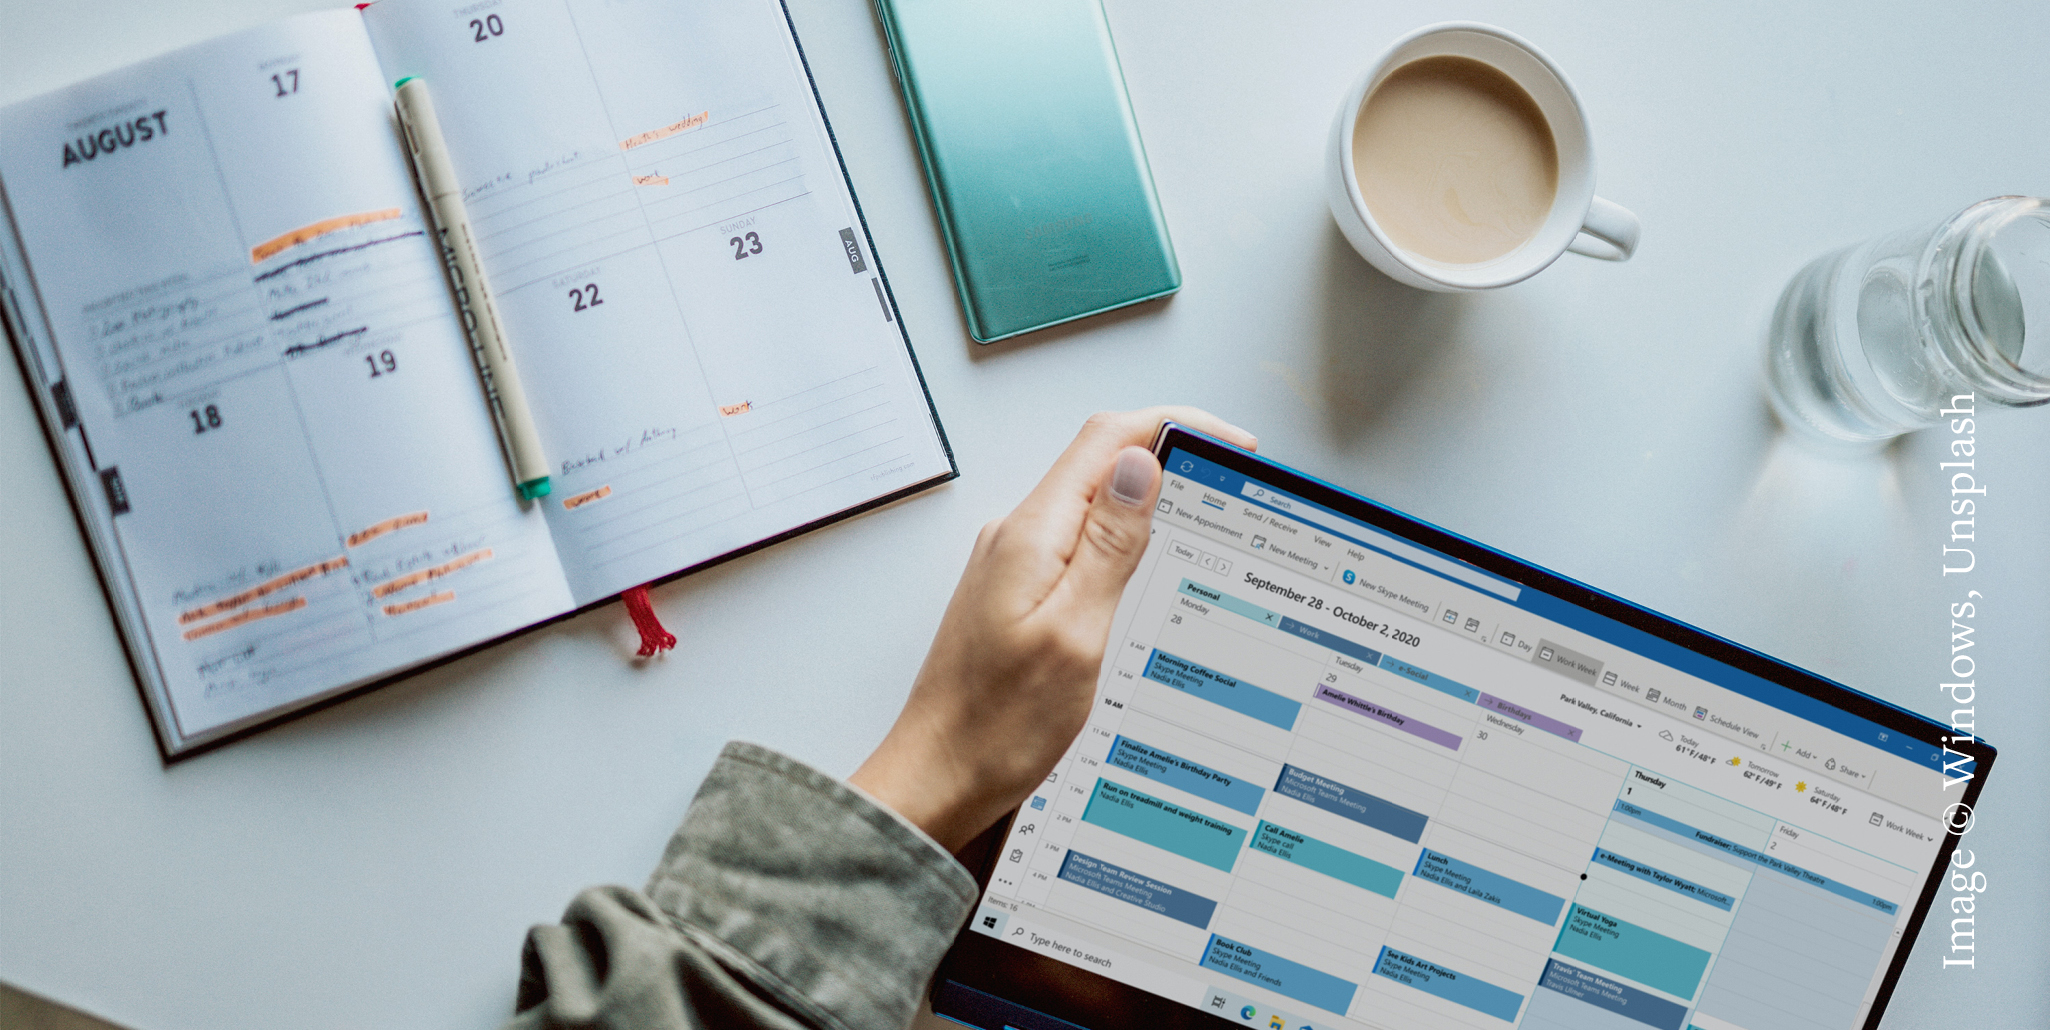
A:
x,y
1455,160
1460,160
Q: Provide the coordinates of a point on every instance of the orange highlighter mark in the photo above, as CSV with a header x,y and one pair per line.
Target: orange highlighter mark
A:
x,y
730,410
573,503
651,180
666,131
251,615
393,586
414,606
271,248
364,536
263,589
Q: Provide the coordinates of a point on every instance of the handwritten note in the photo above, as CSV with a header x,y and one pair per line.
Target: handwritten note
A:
x,y
666,131
509,180
265,589
367,534
424,602
154,340
273,247
631,445
393,586
249,616
573,503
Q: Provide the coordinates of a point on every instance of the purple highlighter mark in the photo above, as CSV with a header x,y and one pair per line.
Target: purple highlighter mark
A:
x,y
1522,714
1359,706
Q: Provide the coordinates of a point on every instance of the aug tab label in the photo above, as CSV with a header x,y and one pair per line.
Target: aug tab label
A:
x,y
853,250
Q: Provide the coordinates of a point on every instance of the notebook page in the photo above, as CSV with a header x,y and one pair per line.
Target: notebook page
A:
x,y
285,436
678,262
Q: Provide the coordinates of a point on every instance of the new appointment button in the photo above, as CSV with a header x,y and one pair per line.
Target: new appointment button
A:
x,y
1567,662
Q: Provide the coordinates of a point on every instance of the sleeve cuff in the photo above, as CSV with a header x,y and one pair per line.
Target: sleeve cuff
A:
x,y
842,907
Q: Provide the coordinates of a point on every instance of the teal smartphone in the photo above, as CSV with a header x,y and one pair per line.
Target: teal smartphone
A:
x,y
1037,171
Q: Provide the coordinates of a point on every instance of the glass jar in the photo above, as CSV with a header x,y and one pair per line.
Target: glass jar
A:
x,y
1880,338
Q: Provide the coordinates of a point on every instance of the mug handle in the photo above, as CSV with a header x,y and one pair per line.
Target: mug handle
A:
x,y
1610,232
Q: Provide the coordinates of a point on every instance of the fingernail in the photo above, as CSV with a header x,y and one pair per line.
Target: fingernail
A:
x,y
1132,480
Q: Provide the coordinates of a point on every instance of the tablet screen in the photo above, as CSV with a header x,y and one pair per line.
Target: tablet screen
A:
x,y
1336,777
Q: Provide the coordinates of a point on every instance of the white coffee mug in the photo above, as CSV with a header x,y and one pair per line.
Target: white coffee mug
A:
x,y
1578,221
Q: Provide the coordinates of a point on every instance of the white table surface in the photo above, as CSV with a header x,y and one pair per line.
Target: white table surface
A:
x,y
377,863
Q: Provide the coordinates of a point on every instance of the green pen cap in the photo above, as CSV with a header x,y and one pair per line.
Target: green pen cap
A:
x,y
533,488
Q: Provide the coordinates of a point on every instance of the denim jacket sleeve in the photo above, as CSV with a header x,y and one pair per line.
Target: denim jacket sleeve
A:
x,y
785,901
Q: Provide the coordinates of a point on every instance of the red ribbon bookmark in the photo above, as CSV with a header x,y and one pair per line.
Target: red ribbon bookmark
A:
x,y
653,637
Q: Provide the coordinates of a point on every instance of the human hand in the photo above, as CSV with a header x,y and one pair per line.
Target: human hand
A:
x,y
1013,668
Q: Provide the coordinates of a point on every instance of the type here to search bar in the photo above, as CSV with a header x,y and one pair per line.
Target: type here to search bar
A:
x,y
1383,542
1104,961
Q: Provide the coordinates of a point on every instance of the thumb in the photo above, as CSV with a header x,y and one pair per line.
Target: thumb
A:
x,y
1115,531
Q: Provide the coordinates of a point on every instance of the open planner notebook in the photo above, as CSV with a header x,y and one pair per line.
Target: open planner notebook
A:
x,y
229,305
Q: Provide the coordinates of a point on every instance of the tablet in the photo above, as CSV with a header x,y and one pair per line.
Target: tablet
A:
x,y
1346,769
